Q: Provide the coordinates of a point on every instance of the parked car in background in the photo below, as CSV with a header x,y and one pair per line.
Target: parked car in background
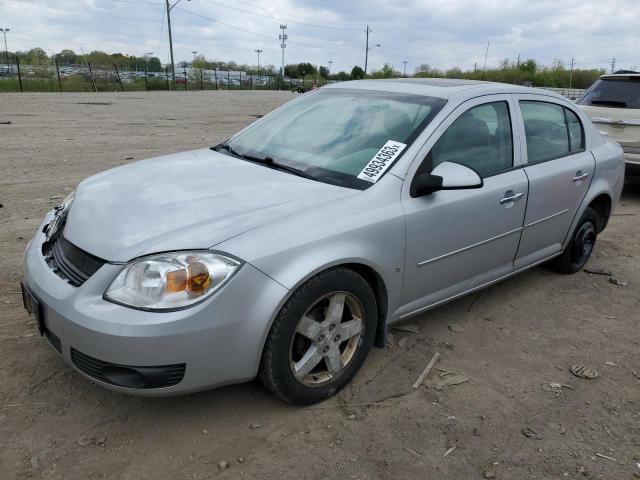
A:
x,y
613,104
287,250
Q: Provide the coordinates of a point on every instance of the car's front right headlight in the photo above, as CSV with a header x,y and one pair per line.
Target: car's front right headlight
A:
x,y
170,281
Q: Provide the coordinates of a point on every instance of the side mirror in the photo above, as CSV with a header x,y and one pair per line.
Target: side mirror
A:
x,y
446,176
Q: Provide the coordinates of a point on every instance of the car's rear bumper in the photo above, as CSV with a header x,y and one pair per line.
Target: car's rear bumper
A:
x,y
217,342
632,158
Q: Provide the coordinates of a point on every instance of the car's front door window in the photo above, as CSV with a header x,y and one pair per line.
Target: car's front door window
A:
x,y
480,138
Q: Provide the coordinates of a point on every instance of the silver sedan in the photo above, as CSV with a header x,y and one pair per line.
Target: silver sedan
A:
x,y
287,250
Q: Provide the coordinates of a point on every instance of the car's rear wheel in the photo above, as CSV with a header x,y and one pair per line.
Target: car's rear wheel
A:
x,y
320,338
580,247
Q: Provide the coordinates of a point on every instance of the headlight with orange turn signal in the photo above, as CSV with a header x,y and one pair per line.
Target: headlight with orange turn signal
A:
x,y
171,281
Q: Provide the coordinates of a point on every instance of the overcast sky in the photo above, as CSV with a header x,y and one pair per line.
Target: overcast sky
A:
x,y
442,33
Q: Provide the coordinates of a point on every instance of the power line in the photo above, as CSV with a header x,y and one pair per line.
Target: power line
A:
x,y
270,37
272,17
139,2
342,24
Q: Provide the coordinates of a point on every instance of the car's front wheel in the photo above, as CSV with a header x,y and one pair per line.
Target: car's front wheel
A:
x,y
320,338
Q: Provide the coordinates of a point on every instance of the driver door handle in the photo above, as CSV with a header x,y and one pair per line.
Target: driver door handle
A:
x,y
580,176
511,198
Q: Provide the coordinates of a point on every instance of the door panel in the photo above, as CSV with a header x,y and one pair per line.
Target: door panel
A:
x,y
556,190
559,170
458,239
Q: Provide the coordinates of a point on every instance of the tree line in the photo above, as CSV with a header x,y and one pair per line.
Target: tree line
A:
x,y
527,72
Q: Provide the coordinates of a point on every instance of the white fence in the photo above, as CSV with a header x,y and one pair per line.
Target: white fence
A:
x,y
570,93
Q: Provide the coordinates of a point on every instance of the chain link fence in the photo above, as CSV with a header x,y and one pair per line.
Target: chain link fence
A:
x,y
18,77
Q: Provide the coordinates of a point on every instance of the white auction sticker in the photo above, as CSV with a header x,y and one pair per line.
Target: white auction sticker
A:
x,y
381,161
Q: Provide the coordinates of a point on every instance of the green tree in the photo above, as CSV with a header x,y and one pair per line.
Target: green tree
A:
x,y
323,72
67,57
154,64
529,66
36,56
306,69
291,71
357,73
387,71
200,62
426,71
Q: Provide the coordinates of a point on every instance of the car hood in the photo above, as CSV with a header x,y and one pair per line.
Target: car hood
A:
x,y
189,200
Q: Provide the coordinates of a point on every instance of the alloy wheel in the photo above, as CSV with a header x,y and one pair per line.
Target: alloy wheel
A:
x,y
326,339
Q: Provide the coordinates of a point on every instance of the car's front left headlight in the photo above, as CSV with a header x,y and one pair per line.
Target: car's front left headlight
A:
x,y
170,281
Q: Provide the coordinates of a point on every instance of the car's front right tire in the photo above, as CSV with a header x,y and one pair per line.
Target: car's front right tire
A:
x,y
320,338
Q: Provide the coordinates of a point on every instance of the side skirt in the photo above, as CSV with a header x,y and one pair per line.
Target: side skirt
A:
x,y
474,289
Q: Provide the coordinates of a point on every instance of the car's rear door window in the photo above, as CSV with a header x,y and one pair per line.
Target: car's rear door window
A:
x,y
480,138
552,131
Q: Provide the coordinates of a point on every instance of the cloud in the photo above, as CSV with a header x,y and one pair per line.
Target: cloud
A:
x,y
442,34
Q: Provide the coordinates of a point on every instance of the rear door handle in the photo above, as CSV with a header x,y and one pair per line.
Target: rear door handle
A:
x,y
512,197
580,176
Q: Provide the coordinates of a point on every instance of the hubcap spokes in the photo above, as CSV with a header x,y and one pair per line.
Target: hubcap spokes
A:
x,y
326,339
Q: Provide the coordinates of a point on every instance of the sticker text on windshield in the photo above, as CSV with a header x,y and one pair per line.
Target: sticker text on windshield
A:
x,y
381,161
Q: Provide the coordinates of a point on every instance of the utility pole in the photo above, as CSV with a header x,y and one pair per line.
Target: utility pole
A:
x,y
258,51
283,44
484,68
571,73
366,52
173,69
613,64
404,73
6,50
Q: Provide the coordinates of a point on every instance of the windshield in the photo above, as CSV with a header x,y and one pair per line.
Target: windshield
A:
x,y
344,137
621,92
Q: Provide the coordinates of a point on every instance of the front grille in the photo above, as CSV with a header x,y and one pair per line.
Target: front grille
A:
x,y
127,375
70,262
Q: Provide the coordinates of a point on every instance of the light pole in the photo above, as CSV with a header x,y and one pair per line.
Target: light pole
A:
x,y
329,69
169,8
283,39
258,51
6,50
404,73
194,54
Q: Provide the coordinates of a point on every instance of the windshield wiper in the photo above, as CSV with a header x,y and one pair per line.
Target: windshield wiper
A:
x,y
267,161
228,149
271,163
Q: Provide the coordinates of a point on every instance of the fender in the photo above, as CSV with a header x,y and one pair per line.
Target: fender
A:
x,y
608,179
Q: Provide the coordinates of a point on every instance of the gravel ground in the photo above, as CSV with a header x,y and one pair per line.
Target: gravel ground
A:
x,y
512,338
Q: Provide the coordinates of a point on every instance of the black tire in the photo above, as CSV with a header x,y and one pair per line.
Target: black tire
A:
x,y
577,252
276,368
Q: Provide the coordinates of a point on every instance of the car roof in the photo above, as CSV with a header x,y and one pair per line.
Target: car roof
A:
x,y
439,87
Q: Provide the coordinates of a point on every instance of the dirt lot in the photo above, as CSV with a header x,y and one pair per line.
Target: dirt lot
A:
x,y
516,336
